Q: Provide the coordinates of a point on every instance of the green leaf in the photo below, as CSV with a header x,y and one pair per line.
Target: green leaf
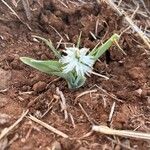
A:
x,y
48,66
99,51
94,49
53,68
78,82
50,45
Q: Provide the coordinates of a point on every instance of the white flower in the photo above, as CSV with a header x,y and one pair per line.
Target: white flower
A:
x,y
76,59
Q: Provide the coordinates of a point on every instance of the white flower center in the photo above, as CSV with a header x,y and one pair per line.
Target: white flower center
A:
x,y
77,60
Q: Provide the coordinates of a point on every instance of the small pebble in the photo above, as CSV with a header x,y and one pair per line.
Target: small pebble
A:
x,y
5,76
39,53
136,73
26,88
39,86
3,45
148,100
3,102
56,146
43,57
4,119
144,93
35,78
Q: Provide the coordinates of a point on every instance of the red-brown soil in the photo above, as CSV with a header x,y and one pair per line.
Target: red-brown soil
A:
x,y
22,87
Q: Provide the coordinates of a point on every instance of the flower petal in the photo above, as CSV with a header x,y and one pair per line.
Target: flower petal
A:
x,y
83,51
78,61
87,60
69,67
71,50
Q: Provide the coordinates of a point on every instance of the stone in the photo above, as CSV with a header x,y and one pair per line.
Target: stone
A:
x,y
39,86
5,76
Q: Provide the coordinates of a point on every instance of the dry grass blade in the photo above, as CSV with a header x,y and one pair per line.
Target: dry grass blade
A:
x,y
56,31
7,130
112,111
27,9
131,23
63,103
120,1
136,10
85,113
100,75
72,120
34,100
92,34
123,133
110,95
63,3
86,135
14,3
16,14
57,79
144,5
84,93
48,127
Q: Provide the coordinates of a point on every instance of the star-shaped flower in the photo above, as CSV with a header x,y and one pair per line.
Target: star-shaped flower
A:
x,y
76,59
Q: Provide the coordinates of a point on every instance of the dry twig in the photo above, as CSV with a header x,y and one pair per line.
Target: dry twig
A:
x,y
33,101
14,3
110,95
55,80
47,126
84,93
145,7
63,103
85,113
112,111
123,133
72,120
7,130
100,75
27,9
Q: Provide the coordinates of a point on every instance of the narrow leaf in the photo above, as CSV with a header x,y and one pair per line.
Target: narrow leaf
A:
x,y
50,45
48,66
96,53
94,49
74,84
